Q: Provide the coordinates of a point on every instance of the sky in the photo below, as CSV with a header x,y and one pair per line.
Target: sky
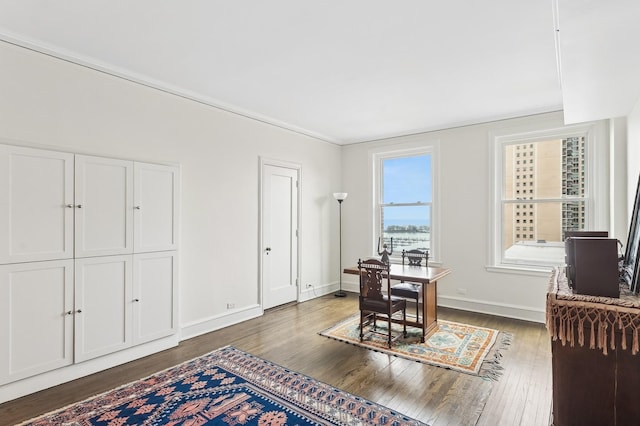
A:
x,y
407,180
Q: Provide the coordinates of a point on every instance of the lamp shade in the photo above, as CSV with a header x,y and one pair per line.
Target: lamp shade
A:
x,y
340,196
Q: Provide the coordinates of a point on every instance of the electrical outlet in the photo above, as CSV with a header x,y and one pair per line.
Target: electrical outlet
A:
x,y
231,305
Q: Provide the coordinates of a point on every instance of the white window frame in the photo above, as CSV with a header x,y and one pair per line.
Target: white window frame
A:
x,y
413,146
596,182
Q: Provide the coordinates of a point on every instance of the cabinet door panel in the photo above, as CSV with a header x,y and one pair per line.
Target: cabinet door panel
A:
x,y
155,207
154,309
36,325
35,188
104,206
102,306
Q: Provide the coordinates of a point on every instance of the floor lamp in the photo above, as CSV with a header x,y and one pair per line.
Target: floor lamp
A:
x,y
340,197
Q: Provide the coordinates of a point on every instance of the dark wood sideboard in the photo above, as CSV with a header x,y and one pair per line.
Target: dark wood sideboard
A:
x,y
595,356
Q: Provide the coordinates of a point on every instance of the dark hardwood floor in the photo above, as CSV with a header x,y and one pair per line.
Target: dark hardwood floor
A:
x,y
288,336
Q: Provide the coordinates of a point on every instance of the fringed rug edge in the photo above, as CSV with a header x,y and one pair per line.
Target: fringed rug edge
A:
x,y
490,368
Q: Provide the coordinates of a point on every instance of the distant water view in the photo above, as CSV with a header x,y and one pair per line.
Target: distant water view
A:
x,y
405,222
408,235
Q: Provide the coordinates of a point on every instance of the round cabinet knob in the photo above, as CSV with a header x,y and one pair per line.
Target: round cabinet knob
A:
x,y
69,206
79,311
137,207
136,300
79,206
69,312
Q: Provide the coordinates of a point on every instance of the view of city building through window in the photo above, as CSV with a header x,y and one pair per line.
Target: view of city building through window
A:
x,y
543,197
406,202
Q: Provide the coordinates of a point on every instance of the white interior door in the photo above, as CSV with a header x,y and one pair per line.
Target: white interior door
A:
x,y
279,235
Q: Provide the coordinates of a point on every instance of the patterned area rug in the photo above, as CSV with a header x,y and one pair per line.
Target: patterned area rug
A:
x,y
225,387
465,348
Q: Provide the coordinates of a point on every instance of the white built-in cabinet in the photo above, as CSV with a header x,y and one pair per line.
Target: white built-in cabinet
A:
x,y
103,206
154,206
36,318
102,302
36,205
88,257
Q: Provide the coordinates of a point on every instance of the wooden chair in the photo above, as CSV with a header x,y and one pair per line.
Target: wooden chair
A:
x,y
409,290
374,275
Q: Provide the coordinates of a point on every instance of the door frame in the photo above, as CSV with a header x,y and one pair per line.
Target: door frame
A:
x,y
265,161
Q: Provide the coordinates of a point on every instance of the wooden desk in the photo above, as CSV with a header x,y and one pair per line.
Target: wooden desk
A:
x,y
428,277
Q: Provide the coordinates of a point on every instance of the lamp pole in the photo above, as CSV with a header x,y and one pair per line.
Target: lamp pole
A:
x,y
340,197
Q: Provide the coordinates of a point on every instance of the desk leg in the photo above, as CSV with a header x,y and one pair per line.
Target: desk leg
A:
x,y
429,309
424,312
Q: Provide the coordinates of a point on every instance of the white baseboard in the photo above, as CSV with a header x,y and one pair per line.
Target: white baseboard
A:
x,y
65,374
75,371
500,309
353,286
61,375
216,322
317,291
236,316
481,306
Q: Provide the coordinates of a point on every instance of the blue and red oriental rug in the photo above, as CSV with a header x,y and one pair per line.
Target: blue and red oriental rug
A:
x,y
225,387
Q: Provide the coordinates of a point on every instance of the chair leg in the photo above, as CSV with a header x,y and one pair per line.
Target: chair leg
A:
x,y
361,325
389,338
418,309
404,322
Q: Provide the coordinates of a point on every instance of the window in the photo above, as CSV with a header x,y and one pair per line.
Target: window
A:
x,y
559,200
404,204
560,194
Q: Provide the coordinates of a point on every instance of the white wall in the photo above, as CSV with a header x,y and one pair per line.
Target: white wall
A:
x,y
618,185
50,103
465,202
54,104
633,155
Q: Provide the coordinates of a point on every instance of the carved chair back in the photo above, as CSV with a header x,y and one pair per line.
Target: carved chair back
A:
x,y
415,257
373,274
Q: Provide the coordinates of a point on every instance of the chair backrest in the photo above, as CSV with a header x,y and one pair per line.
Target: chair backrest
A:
x,y
414,257
373,273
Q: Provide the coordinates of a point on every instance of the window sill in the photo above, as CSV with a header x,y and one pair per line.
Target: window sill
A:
x,y
542,271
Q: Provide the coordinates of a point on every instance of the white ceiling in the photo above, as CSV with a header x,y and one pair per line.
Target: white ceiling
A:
x,y
599,51
342,71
